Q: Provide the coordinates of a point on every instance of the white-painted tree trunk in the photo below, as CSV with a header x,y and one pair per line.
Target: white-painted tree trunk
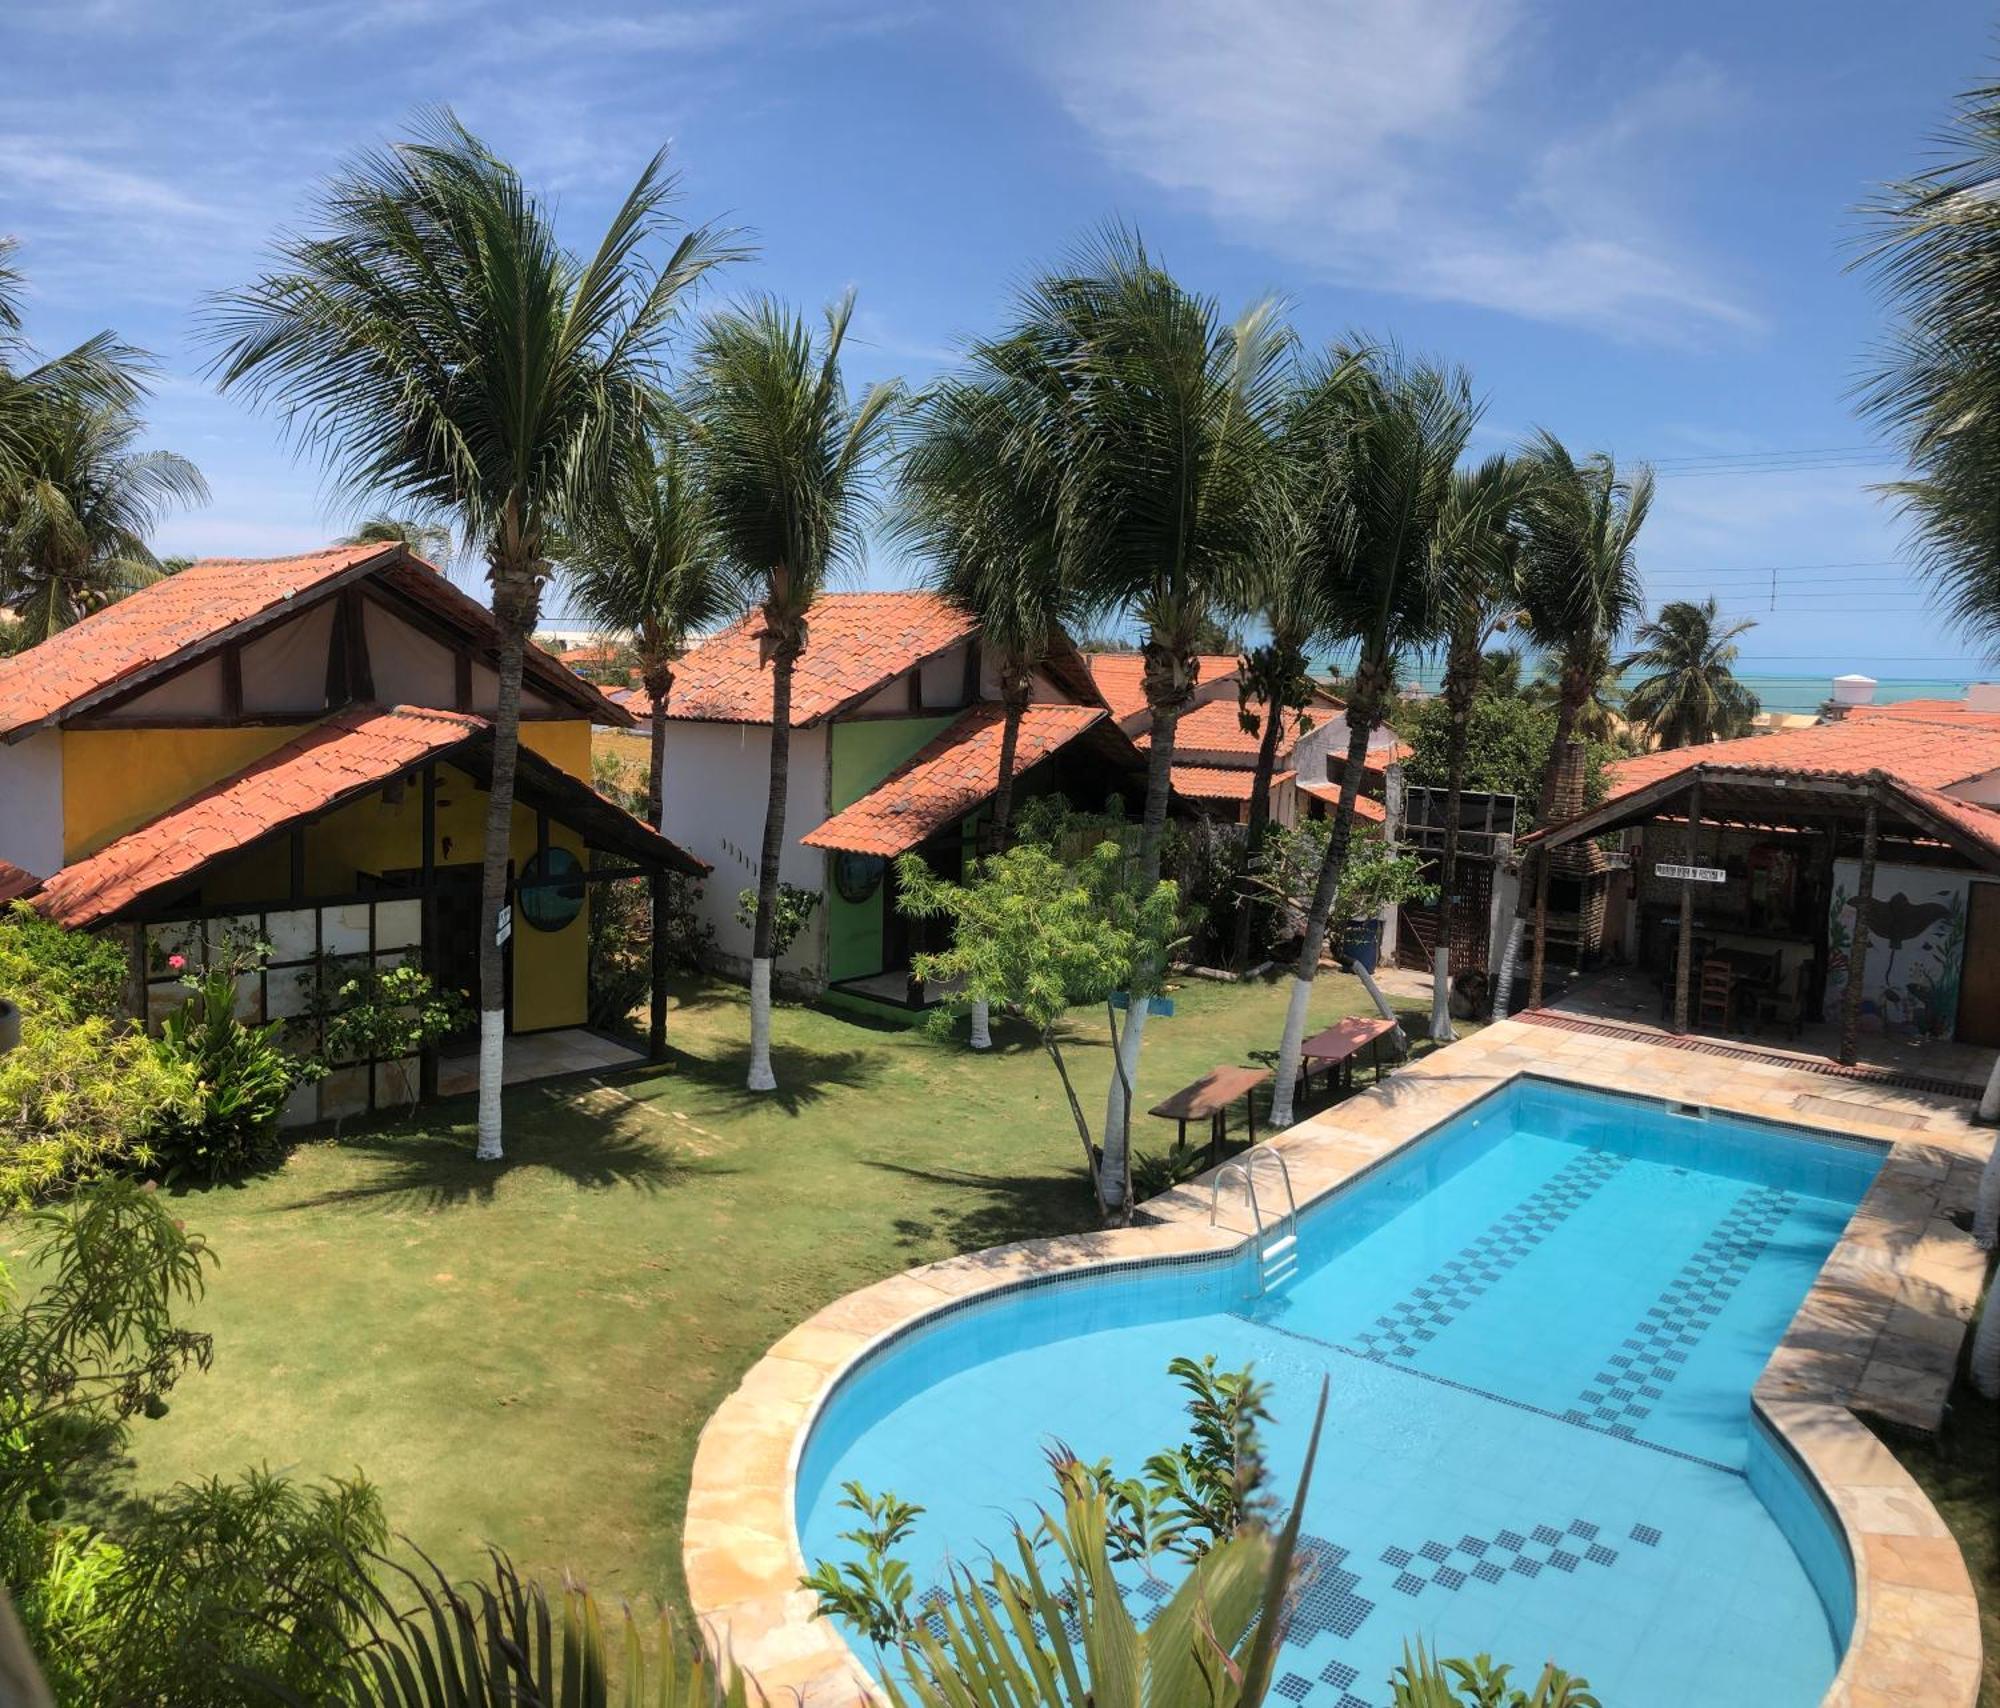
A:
x,y
1286,1085
492,1065
1986,1349
1989,1105
1503,986
1381,1002
982,1038
761,1077
1986,1212
1131,1040
1441,1032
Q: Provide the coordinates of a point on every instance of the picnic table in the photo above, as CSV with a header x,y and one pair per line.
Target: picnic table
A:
x,y
1211,1095
1336,1048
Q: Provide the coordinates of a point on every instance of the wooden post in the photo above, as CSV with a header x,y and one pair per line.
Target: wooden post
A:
x,y
1864,909
1541,928
1685,952
135,974
427,1061
658,885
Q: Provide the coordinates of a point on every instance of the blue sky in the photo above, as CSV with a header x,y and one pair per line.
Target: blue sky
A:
x,y
1630,222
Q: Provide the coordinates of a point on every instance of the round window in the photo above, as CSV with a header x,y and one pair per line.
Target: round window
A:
x,y
857,876
550,890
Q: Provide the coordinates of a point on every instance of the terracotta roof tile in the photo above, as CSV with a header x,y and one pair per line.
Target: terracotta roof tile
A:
x,y
159,623
1120,677
1928,711
951,775
348,752
15,882
1364,806
1982,824
1929,755
855,642
1212,782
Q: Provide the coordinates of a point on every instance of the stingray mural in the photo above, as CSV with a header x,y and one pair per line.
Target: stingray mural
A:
x,y
1916,948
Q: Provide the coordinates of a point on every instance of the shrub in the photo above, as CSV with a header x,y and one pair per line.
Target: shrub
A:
x,y
621,942
226,1581
365,1012
50,969
793,912
243,1077
77,1099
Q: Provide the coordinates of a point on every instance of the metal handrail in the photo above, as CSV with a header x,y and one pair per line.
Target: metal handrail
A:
x,y
1249,1187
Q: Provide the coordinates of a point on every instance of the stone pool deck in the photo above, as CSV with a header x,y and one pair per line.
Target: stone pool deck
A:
x,y
1879,1334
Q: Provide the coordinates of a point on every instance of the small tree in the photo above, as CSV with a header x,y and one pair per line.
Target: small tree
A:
x,y
1041,936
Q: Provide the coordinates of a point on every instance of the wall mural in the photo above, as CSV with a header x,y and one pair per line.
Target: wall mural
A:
x,y
1916,947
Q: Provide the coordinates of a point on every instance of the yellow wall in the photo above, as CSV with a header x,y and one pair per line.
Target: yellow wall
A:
x,y
115,779
563,742
374,834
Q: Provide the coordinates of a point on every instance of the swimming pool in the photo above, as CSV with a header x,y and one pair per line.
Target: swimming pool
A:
x,y
1542,1323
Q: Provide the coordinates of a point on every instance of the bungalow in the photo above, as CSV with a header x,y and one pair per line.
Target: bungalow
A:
x,y
895,748
298,750
1847,875
1215,756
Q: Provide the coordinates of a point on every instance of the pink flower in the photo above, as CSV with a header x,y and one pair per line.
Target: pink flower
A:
x,y
176,962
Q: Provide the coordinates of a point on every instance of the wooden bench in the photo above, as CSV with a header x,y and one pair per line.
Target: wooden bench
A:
x,y
1211,1096
1336,1048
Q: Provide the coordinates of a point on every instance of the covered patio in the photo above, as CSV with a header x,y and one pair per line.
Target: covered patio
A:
x,y
1848,917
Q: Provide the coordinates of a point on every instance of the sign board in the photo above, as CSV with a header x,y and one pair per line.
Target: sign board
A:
x,y
503,927
1160,1005
1693,874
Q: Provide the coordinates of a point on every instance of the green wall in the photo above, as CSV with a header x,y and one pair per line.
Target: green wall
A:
x,y
860,754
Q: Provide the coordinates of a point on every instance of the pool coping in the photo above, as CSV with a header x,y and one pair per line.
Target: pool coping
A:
x,y
1879,1332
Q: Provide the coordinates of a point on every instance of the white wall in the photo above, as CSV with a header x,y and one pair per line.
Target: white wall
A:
x,y
1983,791
31,803
713,806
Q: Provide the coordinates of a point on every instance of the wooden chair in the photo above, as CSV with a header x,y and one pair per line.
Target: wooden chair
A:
x,y
1784,1003
1718,991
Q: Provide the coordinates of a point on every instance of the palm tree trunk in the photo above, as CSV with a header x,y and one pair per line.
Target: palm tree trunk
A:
x,y
1165,695
765,933
1255,831
658,686
1364,711
515,598
1015,702
1461,684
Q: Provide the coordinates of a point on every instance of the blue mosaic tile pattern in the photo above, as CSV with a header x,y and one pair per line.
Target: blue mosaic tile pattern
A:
x,y
1621,1395
1402,1330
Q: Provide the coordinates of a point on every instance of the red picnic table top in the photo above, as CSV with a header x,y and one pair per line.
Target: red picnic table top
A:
x,y
1345,1038
1215,1090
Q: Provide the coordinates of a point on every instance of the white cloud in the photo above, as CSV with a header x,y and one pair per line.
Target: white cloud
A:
x,y
1399,147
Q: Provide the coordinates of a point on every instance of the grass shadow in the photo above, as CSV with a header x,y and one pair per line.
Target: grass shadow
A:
x,y
548,1132
994,1209
805,1075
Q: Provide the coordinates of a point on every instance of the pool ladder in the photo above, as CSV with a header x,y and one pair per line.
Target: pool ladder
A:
x,y
1278,1254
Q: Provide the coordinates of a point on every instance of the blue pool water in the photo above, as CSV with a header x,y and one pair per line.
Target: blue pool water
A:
x,y
1541,1324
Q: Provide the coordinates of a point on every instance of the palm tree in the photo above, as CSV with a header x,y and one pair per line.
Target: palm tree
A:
x,y
979,501
1579,578
1472,569
1690,694
1156,411
786,455
439,347
424,539
650,565
1935,386
1500,673
1390,432
1277,684
76,513
101,373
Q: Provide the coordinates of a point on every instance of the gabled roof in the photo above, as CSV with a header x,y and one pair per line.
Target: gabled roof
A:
x,y
1928,711
1365,806
16,882
1121,677
217,600
1929,755
344,755
953,773
855,643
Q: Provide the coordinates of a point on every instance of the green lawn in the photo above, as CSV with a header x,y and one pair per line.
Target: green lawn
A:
x,y
525,1353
